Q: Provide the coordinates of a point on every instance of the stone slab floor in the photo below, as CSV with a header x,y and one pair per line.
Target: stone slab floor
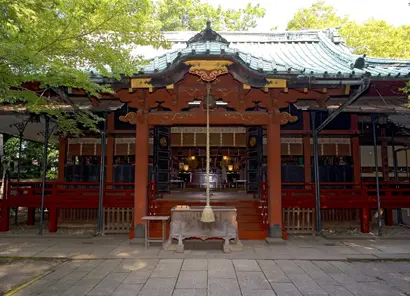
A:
x,y
222,277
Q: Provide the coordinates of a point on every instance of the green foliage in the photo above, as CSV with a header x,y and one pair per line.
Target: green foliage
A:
x,y
32,156
191,15
378,38
373,37
318,16
55,42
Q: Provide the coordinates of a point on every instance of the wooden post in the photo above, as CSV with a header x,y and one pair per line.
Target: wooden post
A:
x,y
274,177
62,156
62,152
385,159
385,171
4,218
355,147
52,219
365,225
110,159
53,211
141,175
31,212
307,155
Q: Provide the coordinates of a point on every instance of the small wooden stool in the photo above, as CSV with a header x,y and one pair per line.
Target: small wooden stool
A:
x,y
148,239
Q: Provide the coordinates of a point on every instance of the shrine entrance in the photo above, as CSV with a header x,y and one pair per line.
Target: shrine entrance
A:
x,y
236,162
244,110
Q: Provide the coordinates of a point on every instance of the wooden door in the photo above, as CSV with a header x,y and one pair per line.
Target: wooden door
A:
x,y
254,159
162,158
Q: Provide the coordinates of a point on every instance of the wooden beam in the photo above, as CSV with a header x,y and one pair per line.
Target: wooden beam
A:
x,y
276,83
189,118
347,89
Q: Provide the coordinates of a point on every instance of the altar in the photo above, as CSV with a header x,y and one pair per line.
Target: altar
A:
x,y
186,223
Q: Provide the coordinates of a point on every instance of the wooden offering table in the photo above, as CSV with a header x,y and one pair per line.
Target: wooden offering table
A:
x,y
186,223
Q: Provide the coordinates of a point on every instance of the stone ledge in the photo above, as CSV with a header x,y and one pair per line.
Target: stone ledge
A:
x,y
275,241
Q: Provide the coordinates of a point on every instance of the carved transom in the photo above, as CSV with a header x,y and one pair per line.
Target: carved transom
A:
x,y
208,70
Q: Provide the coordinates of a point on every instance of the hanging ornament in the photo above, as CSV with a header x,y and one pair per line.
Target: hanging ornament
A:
x,y
208,215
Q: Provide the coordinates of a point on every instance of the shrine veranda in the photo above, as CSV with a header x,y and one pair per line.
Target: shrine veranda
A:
x,y
269,92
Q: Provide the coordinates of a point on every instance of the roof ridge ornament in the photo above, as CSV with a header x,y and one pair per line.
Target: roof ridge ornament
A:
x,y
207,35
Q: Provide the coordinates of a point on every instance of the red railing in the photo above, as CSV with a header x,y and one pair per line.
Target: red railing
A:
x,y
69,195
60,195
302,195
346,195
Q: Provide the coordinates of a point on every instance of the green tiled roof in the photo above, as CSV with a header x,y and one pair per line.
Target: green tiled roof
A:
x,y
320,53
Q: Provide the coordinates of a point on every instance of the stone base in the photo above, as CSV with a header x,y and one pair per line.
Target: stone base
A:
x,y
227,248
137,241
275,231
275,241
170,247
237,246
139,231
179,248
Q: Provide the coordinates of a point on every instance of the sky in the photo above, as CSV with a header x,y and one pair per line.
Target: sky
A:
x,y
279,12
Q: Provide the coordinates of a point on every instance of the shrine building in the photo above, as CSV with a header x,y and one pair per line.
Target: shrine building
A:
x,y
268,94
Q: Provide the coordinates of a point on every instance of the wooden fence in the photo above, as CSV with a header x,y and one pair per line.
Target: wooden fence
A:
x,y
299,220
117,220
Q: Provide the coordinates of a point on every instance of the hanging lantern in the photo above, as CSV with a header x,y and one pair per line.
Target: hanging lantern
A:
x,y
230,167
193,157
186,167
225,157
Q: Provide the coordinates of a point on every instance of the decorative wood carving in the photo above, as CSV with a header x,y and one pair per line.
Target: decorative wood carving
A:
x,y
208,70
216,118
134,117
141,83
130,117
137,99
285,118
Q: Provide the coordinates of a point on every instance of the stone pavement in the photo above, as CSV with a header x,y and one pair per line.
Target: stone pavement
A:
x,y
16,272
222,277
110,265
118,246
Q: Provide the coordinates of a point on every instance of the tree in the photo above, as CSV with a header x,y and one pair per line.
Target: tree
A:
x,y
56,43
318,16
180,15
373,37
31,159
378,38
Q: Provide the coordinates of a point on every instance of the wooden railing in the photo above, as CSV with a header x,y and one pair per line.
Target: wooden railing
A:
x,y
84,195
69,195
346,195
63,195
